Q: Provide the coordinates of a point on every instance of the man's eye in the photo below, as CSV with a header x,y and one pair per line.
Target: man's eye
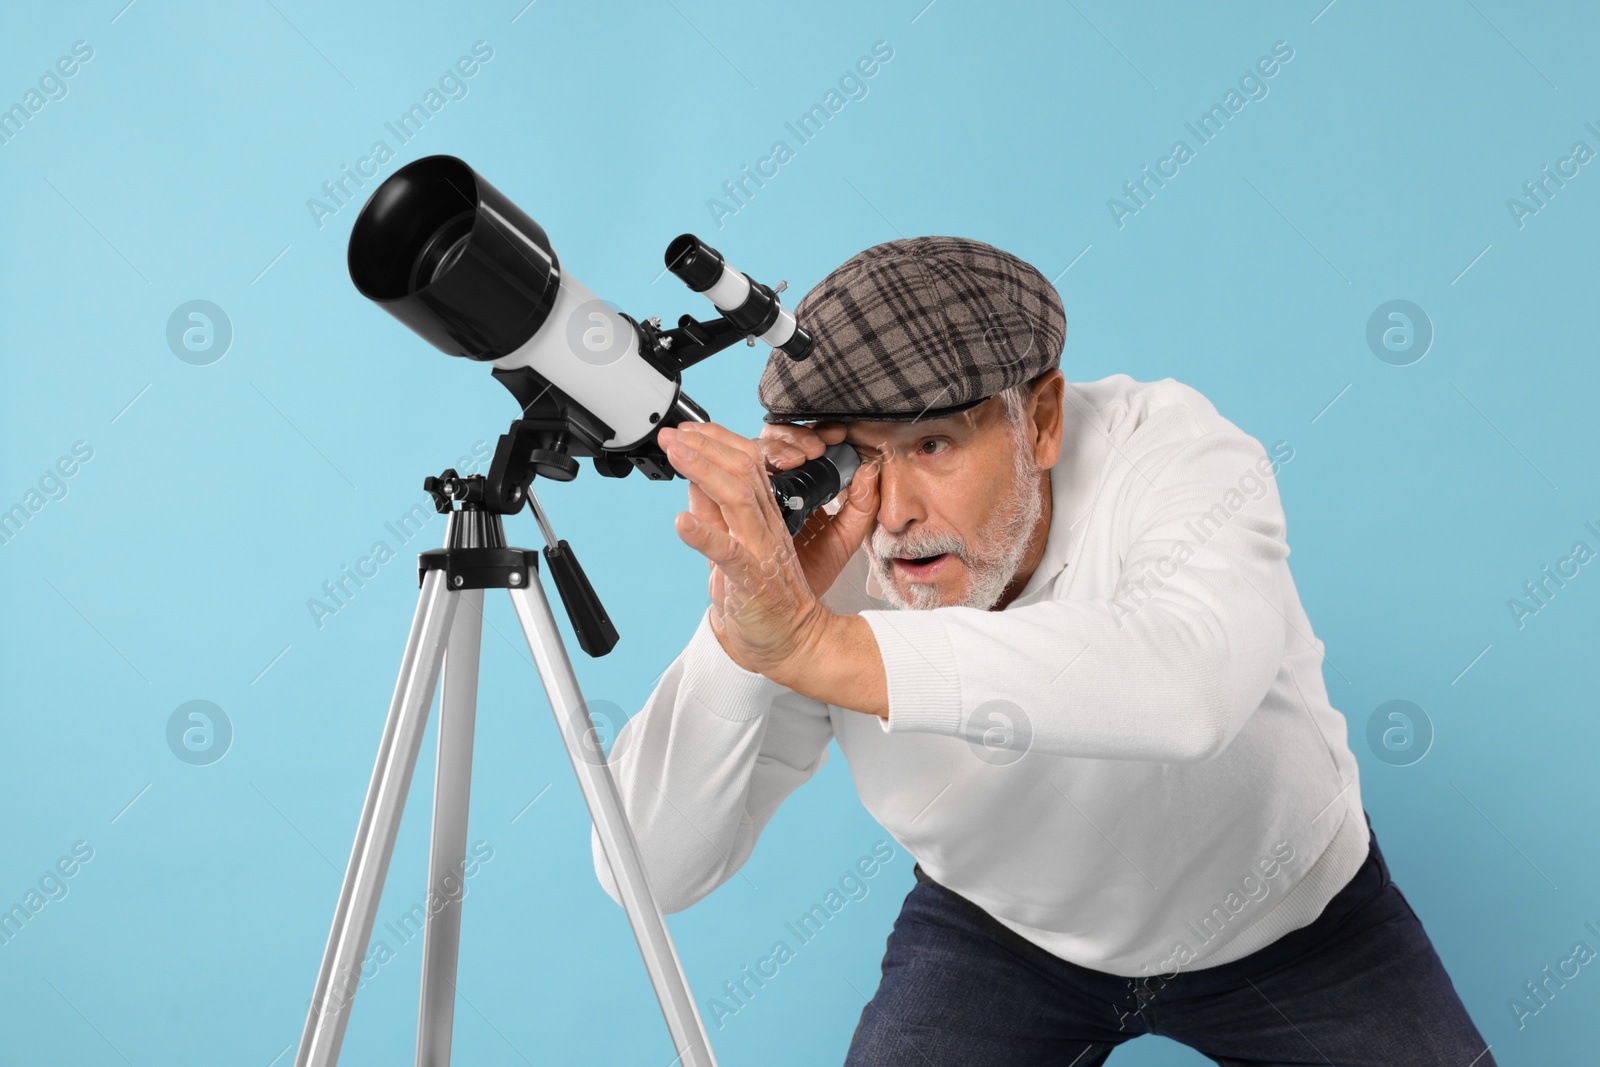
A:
x,y
933,446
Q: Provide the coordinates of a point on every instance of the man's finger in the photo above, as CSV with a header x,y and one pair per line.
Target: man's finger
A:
x,y
826,542
861,495
725,436
830,432
700,504
715,545
708,429
752,526
777,453
788,439
860,509
704,508
733,479
781,455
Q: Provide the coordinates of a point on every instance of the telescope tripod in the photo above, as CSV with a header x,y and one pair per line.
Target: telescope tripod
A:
x,y
445,639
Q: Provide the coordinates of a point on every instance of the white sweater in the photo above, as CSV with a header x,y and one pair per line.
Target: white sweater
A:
x,y
1135,765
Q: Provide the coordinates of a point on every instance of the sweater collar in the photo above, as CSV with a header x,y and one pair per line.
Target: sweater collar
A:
x,y
1074,484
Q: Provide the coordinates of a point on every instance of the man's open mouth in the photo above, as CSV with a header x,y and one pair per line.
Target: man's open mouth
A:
x,y
920,567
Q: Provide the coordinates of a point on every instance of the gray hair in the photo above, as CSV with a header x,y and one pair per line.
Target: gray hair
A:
x,y
1015,399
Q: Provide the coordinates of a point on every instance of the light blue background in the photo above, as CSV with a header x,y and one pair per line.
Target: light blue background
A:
x,y
179,563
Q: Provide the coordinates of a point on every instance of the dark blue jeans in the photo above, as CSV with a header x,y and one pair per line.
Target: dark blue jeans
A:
x,y
1360,986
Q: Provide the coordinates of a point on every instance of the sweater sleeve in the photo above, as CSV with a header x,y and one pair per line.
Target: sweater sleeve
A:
x,y
703,766
1167,670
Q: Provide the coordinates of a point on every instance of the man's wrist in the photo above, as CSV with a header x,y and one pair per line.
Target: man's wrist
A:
x,y
837,662
815,636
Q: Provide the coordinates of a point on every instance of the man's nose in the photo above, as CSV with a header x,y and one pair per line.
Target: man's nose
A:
x,y
899,502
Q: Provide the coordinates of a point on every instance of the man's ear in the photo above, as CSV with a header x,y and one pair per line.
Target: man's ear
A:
x,y
1045,399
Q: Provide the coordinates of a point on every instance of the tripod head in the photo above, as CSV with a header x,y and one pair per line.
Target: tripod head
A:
x,y
476,556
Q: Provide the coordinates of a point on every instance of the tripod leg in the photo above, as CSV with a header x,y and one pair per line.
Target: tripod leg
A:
x,y
616,835
380,821
441,942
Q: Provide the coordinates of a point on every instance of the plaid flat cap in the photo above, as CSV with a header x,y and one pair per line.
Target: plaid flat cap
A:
x,y
917,328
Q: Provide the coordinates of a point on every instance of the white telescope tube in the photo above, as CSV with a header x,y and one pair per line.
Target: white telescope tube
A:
x,y
732,289
591,353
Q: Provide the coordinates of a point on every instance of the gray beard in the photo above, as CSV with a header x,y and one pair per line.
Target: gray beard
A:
x,y
1002,539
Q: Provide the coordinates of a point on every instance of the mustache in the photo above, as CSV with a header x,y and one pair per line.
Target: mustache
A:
x,y
915,546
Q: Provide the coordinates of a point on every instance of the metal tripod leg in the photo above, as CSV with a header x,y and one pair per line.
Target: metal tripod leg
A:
x,y
446,636
616,835
380,821
441,943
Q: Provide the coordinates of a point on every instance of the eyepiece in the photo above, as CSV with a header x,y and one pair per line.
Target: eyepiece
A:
x,y
744,302
806,488
695,262
799,344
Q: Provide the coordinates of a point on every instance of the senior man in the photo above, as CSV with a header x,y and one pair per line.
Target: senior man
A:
x,y
1052,627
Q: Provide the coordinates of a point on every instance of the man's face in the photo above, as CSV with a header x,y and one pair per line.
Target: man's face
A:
x,y
959,501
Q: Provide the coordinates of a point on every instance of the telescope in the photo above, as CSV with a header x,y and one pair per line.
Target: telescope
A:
x,y
447,254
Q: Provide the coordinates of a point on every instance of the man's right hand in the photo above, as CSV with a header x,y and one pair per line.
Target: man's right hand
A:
x,y
826,542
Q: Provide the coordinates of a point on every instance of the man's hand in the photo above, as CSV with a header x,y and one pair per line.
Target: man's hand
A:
x,y
826,542
765,586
